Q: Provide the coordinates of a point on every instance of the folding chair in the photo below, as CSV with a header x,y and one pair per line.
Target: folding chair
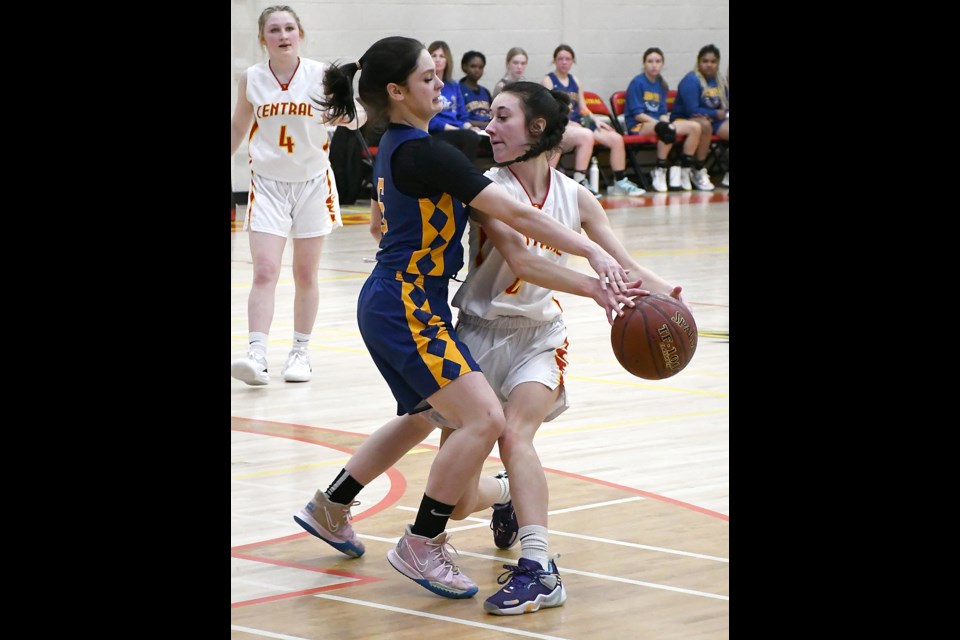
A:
x,y
632,142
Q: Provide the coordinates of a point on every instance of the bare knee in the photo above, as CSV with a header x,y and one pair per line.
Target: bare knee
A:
x,y
265,272
305,276
492,426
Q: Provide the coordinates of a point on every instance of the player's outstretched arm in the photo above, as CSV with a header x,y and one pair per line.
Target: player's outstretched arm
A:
x,y
497,203
537,270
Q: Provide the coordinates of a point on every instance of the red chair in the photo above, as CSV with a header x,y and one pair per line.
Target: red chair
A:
x,y
715,158
634,143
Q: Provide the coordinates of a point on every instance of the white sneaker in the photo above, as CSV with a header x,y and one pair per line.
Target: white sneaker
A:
x,y
674,178
298,367
701,180
624,187
726,180
586,183
685,173
252,369
660,179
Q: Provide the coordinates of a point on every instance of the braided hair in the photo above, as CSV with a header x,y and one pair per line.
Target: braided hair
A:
x,y
540,102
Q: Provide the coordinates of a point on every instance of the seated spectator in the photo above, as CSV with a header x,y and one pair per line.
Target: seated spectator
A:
x,y
726,176
645,113
476,97
583,131
702,97
516,68
451,122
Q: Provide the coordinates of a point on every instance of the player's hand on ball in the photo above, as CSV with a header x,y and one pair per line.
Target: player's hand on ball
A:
x,y
612,302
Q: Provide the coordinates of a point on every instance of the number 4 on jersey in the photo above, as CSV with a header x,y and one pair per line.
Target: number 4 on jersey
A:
x,y
285,140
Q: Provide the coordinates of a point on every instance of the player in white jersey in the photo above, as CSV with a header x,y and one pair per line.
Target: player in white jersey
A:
x,y
515,328
293,192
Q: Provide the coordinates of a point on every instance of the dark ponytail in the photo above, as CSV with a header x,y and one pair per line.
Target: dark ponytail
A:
x,y
338,89
388,60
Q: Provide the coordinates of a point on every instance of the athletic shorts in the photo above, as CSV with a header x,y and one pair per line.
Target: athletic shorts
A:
x,y
714,124
294,209
405,322
514,350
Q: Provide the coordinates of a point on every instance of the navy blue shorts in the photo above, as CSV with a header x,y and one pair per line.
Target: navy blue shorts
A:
x,y
407,326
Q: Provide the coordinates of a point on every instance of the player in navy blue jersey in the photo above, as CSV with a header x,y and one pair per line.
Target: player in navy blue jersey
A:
x,y
423,188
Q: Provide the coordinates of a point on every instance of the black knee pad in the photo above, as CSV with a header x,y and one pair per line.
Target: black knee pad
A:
x,y
666,131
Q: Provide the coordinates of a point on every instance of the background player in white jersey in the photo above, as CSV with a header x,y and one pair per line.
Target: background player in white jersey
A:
x,y
292,188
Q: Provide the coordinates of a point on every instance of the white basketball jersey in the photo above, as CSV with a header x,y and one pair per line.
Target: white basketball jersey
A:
x,y
288,140
491,290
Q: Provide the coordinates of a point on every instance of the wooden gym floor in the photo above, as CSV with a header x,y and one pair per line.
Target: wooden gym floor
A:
x,y
638,470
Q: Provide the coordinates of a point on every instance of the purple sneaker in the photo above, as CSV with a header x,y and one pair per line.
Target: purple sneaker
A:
x,y
504,524
528,589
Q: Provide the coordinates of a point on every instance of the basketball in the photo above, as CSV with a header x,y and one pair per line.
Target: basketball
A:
x,y
655,339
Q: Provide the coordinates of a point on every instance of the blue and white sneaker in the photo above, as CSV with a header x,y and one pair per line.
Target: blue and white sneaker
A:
x,y
528,588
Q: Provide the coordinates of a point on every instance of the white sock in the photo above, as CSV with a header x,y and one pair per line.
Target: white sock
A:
x,y
578,176
300,341
258,342
533,544
504,490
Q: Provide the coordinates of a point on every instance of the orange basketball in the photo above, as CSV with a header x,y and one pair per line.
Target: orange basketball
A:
x,y
655,339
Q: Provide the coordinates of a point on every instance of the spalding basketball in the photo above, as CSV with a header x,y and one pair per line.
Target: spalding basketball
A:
x,y
655,339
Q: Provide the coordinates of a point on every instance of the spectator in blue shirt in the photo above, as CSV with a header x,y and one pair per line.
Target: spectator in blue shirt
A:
x,y
703,96
646,109
451,123
476,97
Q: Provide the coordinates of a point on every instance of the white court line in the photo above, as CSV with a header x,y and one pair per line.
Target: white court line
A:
x,y
265,634
632,545
433,616
599,576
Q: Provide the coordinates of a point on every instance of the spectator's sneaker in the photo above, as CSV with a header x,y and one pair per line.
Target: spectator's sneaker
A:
x,y
701,180
660,179
427,562
330,521
298,367
726,180
586,183
528,589
252,369
685,174
504,525
674,179
624,187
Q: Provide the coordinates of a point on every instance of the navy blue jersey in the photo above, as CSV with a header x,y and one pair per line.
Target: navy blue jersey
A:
x,y
403,311
572,88
423,224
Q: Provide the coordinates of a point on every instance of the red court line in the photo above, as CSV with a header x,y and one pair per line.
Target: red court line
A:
x,y
357,579
381,506
398,486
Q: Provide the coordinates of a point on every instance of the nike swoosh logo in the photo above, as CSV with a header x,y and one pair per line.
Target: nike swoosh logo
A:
x,y
442,515
330,524
421,567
